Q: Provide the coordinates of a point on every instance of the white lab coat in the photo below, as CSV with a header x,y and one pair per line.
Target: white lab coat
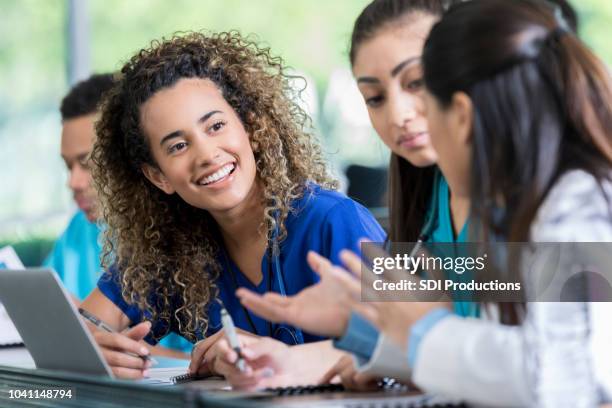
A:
x,y
483,362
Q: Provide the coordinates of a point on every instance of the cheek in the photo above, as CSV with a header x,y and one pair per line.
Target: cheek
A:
x,y
419,105
243,146
380,125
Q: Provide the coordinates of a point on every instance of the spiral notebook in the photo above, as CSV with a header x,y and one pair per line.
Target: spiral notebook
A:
x,y
9,336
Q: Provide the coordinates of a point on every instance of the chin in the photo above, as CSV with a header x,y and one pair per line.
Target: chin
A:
x,y
421,160
91,215
220,203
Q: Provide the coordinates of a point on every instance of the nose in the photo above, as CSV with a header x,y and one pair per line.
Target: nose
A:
x,y
78,179
402,108
205,150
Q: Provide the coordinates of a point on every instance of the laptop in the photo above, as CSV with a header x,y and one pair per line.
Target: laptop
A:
x,y
49,323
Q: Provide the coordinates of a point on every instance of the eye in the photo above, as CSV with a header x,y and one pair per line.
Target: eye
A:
x,y
177,147
375,101
415,85
217,126
84,163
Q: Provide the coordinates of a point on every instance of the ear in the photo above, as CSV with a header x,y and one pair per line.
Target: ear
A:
x,y
462,116
155,176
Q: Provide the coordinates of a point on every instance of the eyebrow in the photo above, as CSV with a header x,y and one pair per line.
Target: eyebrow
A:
x,y
396,70
179,133
79,157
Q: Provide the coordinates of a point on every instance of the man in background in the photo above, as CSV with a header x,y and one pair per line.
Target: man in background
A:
x,y
76,254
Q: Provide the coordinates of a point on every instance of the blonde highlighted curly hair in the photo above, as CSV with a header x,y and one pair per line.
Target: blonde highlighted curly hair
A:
x,y
165,249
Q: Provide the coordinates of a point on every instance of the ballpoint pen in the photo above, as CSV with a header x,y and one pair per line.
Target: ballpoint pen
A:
x,y
100,324
232,337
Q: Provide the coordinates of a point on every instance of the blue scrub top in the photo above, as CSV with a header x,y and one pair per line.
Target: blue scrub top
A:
x,y
322,220
76,259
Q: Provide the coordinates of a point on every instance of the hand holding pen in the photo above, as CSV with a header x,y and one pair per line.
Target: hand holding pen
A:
x,y
127,357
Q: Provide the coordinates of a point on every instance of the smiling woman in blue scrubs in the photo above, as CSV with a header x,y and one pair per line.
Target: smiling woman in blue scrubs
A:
x,y
209,183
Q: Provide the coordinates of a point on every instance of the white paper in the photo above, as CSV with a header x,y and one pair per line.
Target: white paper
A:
x,y
163,376
8,332
9,259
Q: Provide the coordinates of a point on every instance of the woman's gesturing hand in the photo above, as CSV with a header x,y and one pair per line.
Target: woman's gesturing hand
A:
x,y
323,308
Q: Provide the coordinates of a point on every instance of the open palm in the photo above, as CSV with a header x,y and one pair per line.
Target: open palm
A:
x,y
322,309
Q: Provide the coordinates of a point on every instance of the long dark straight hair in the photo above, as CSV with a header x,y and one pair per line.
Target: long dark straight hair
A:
x,y
410,187
542,104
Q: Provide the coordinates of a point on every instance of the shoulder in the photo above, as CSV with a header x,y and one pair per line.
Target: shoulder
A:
x,y
577,208
74,229
317,198
321,205
328,221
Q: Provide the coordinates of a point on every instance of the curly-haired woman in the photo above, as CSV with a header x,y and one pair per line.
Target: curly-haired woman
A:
x,y
210,182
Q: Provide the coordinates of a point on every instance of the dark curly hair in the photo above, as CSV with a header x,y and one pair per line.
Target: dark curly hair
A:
x,y
84,97
165,249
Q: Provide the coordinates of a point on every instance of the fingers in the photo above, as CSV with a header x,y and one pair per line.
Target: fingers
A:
x,y
129,373
222,358
139,331
326,270
351,261
346,373
364,382
350,377
356,266
335,370
199,351
371,251
318,263
120,342
271,306
116,346
119,359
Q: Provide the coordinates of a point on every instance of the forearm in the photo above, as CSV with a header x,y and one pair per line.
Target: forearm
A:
x,y
101,307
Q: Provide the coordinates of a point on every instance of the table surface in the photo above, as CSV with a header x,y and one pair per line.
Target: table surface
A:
x,y
107,391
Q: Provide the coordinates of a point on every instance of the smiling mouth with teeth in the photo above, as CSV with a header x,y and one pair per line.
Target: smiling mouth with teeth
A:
x,y
218,175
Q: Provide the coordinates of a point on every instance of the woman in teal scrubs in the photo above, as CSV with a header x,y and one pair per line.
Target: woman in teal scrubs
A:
x,y
385,54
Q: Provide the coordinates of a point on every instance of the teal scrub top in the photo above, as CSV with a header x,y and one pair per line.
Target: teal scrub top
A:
x,y
76,256
443,232
76,259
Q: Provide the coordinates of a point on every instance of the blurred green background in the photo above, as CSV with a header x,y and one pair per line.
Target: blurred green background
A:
x,y
311,35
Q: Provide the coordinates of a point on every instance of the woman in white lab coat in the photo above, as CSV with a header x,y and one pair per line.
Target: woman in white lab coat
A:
x,y
521,120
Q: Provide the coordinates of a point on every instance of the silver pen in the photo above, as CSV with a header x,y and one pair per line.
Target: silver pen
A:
x,y
100,324
232,337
